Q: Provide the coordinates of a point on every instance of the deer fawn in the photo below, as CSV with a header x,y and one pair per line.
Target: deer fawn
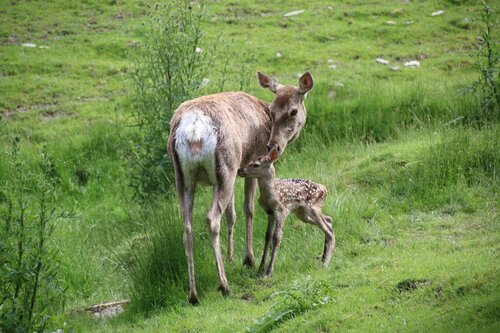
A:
x,y
280,197
211,137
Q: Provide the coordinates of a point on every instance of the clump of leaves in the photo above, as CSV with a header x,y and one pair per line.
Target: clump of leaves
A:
x,y
302,296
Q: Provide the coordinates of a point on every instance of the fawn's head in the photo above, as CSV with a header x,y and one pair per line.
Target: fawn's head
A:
x,y
262,166
288,111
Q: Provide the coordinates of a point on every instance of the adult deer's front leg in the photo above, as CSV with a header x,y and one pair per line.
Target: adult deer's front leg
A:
x,y
221,198
250,187
230,219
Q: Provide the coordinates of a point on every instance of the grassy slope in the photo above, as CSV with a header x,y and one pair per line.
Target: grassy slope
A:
x,y
66,96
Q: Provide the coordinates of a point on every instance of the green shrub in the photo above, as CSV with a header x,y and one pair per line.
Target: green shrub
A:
x,y
169,68
486,62
30,290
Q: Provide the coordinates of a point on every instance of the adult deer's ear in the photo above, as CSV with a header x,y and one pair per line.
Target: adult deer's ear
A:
x,y
267,82
305,83
273,155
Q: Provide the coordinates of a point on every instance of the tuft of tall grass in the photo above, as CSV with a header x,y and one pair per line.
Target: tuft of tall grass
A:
x,y
368,113
158,268
448,169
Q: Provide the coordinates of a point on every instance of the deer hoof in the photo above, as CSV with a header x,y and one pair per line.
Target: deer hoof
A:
x,y
193,299
249,262
225,290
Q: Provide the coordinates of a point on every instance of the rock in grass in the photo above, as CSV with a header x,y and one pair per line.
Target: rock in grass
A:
x,y
395,68
28,45
295,12
390,22
43,47
412,64
278,54
439,12
332,66
205,82
107,309
382,61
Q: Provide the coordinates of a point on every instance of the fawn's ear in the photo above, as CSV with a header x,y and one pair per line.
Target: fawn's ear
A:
x,y
267,82
273,155
305,83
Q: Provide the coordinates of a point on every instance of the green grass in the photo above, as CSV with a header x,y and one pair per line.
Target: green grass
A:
x,y
412,178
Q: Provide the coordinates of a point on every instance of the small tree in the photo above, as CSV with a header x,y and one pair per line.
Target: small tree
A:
x,y
170,67
29,289
487,59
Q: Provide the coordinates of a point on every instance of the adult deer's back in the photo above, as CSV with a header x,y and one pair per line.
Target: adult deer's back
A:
x,y
211,137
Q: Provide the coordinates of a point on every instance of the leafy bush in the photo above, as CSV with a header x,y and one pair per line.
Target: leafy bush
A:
x,y
169,68
29,286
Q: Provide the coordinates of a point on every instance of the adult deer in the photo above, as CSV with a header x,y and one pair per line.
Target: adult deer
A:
x,y
211,137
280,197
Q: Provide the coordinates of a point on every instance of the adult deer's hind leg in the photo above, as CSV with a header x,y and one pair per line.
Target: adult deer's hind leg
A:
x,y
185,194
221,198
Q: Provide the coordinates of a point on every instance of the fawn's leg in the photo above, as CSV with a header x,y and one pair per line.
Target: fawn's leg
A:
x,y
327,252
250,187
277,236
269,234
314,216
322,222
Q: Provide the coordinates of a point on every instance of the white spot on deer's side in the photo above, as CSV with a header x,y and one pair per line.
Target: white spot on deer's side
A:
x,y
195,143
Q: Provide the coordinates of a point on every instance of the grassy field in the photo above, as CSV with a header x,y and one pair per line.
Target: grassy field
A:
x,y
411,168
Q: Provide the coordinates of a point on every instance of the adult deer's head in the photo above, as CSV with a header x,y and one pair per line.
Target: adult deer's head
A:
x,y
288,111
